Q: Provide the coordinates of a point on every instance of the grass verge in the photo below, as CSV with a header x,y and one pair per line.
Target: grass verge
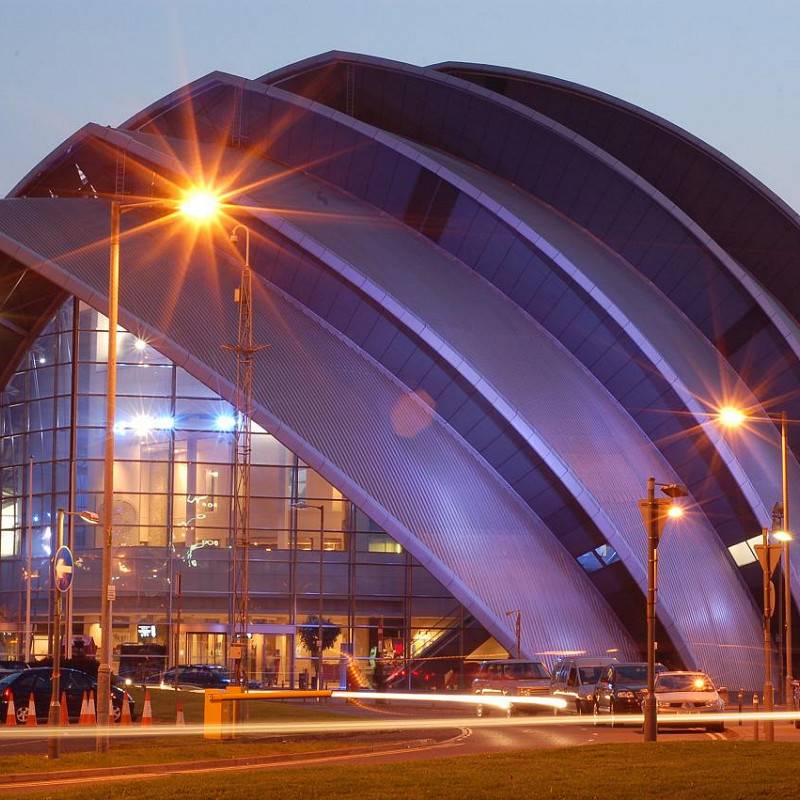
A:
x,y
679,771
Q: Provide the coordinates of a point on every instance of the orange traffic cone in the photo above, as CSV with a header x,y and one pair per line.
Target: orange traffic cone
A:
x,y
91,714
147,711
125,719
64,718
31,711
84,720
11,712
179,718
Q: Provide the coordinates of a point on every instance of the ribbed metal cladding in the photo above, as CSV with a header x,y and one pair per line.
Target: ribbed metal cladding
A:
x,y
543,208
569,418
340,412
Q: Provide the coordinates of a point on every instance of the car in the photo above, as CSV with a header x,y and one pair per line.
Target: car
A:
x,y
193,676
510,677
37,681
620,689
686,693
575,680
8,666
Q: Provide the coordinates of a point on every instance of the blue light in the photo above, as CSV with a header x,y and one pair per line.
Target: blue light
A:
x,y
225,422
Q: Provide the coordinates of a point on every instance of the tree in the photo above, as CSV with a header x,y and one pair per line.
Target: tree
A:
x,y
309,636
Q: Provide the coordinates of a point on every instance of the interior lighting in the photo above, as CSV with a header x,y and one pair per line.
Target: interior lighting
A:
x,y
226,422
199,205
143,424
140,345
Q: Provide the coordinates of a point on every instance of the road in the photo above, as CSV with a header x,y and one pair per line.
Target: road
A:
x,y
454,734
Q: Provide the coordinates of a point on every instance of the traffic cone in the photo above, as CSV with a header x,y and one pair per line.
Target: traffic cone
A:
x,y
31,711
147,711
64,719
91,714
179,718
84,720
11,712
126,711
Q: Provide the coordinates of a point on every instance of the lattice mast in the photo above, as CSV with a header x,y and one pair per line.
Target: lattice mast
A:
x,y
244,350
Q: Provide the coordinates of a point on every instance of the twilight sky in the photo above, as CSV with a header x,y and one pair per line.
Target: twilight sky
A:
x,y
728,72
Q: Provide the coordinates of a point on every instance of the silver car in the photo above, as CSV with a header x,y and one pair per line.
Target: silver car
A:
x,y
687,693
510,676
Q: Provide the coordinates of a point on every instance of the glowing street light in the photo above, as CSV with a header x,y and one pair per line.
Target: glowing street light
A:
x,y
655,511
732,417
198,206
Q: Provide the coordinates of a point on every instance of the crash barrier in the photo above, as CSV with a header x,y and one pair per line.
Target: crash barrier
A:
x,y
222,706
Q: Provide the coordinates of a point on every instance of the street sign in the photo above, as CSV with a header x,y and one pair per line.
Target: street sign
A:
x,y
63,569
768,556
659,508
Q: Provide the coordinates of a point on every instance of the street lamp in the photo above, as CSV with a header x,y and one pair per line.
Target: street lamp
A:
x,y
732,417
301,505
769,555
655,511
62,582
517,628
199,206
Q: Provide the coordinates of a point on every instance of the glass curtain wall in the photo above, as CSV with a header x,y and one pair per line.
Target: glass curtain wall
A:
x,y
174,446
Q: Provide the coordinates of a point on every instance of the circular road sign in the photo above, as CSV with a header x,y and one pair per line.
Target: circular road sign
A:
x,y
62,568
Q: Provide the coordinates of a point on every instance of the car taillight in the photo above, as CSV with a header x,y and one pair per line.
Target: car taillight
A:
x,y
7,693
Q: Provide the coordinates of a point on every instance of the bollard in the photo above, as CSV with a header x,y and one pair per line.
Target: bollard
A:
x,y
741,704
755,719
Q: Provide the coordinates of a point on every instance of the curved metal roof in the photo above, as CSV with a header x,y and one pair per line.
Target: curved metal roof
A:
x,y
421,235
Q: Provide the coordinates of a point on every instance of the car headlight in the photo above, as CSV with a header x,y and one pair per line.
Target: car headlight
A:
x,y
626,695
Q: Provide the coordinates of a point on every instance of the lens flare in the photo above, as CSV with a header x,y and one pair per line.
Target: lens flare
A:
x,y
731,417
200,205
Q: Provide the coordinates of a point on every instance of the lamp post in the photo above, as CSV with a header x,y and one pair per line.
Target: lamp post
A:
x,y
301,504
199,206
62,582
733,418
655,511
517,629
769,555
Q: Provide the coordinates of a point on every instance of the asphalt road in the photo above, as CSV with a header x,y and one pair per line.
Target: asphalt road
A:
x,y
454,734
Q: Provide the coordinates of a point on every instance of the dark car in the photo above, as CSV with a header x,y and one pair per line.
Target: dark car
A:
x,y
620,689
7,666
196,676
37,682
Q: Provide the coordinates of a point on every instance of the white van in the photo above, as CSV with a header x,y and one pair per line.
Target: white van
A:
x,y
574,680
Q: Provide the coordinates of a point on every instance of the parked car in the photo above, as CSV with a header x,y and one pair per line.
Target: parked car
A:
x,y
620,689
194,676
511,676
687,693
11,665
575,679
37,681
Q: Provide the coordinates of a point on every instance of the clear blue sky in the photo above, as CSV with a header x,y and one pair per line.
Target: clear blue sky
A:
x,y
728,72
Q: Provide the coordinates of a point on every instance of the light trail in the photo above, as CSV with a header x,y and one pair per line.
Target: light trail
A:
x,y
26,733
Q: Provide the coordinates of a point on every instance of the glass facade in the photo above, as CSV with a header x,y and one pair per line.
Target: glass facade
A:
x,y
174,449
